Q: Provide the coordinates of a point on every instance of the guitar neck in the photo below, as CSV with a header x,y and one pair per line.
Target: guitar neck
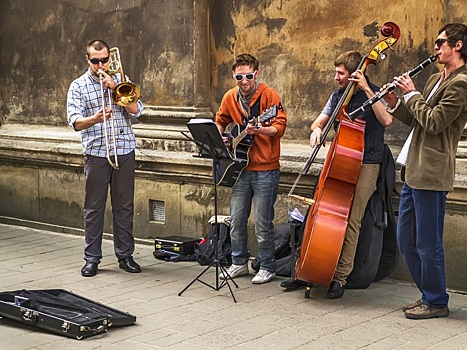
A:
x,y
239,138
264,117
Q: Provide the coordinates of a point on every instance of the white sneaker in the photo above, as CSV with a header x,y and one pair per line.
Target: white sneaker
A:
x,y
263,276
235,271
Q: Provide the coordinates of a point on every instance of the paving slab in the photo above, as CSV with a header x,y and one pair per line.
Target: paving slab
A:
x,y
264,317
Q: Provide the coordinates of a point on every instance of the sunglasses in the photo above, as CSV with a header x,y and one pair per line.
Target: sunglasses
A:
x,y
440,42
248,76
96,60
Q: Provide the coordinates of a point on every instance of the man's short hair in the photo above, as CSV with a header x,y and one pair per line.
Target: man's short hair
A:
x,y
97,45
245,59
350,60
456,32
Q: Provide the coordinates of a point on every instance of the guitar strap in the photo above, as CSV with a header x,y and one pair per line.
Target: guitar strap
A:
x,y
255,109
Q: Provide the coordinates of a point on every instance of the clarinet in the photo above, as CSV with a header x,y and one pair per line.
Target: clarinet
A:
x,y
378,96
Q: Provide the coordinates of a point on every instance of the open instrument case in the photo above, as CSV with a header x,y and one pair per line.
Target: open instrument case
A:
x,y
61,312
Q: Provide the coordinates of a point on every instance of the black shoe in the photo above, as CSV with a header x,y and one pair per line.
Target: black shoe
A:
x,y
292,284
129,265
89,269
336,290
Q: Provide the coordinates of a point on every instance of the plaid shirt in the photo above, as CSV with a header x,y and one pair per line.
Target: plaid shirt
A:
x,y
84,100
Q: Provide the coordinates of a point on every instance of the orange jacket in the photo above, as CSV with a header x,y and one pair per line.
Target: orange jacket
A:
x,y
264,153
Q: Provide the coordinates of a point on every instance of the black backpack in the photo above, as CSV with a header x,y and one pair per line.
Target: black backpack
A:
x,y
283,249
204,250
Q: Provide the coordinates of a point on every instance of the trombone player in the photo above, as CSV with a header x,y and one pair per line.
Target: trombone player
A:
x,y
102,115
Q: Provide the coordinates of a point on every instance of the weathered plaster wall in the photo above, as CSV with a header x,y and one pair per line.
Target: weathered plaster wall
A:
x,y
297,42
162,43
43,48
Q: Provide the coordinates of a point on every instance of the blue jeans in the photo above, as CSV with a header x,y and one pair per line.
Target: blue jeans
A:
x,y
420,238
259,187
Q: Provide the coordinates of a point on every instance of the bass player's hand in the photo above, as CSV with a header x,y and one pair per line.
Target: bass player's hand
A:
x,y
315,137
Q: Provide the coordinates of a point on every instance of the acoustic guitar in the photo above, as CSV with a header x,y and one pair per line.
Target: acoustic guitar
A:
x,y
228,171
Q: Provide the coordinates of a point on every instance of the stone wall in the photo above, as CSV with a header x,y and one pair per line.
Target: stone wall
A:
x,y
44,47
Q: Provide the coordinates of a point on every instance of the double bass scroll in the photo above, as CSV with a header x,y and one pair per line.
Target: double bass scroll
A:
x,y
326,221
391,32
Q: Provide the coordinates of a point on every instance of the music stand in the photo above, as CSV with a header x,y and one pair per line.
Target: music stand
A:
x,y
210,145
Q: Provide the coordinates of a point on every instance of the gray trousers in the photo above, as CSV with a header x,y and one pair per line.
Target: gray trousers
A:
x,y
99,175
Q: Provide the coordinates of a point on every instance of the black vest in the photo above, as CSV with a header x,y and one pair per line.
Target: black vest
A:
x,y
374,130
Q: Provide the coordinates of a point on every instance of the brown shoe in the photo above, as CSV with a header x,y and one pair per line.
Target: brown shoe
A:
x,y
423,312
412,305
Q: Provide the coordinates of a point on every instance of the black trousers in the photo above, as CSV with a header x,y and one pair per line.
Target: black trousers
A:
x,y
100,177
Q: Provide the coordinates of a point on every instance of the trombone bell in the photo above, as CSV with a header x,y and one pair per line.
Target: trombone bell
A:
x,y
124,94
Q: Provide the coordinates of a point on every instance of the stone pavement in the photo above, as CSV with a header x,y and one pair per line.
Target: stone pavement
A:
x,y
264,317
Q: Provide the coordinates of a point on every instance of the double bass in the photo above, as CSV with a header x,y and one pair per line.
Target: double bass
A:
x,y
326,222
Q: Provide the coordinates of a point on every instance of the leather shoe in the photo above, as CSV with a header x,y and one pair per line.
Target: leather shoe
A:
x,y
292,284
89,269
412,305
129,265
336,290
423,312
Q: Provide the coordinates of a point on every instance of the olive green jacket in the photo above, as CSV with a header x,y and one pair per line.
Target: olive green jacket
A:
x,y
437,126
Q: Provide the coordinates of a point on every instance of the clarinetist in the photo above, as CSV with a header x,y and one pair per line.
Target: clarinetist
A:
x,y
437,117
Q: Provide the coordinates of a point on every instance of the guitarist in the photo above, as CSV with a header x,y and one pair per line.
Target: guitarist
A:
x,y
259,181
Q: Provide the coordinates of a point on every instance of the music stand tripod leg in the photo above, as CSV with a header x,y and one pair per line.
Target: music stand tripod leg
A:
x,y
218,286
195,279
216,261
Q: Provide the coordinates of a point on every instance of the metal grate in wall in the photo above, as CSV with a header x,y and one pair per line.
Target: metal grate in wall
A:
x,y
157,210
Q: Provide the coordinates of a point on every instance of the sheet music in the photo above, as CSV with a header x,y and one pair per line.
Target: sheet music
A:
x,y
296,215
402,158
206,135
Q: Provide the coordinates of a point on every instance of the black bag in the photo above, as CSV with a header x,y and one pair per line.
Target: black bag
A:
x,y
390,252
169,255
283,250
205,250
175,248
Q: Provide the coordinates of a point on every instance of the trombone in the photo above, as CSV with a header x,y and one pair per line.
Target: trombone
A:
x,y
106,134
124,94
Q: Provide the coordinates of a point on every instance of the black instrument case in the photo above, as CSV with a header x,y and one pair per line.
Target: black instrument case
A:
x,y
61,312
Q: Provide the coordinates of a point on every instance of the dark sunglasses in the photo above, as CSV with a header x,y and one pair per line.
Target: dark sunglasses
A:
x,y
440,42
96,60
248,76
